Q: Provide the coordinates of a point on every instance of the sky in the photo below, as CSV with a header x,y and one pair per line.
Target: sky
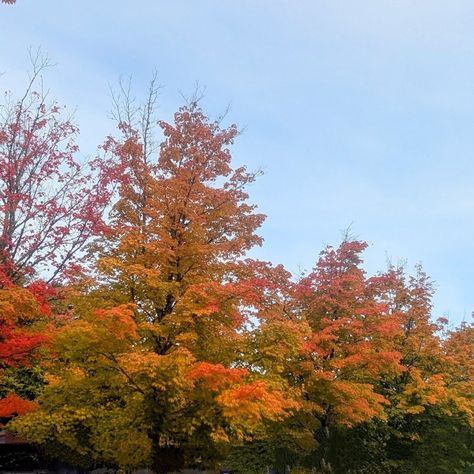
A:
x,y
360,113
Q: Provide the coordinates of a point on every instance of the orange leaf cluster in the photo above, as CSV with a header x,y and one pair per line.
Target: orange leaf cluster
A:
x,y
14,405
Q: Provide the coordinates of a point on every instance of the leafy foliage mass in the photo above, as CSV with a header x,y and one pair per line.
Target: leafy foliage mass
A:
x,y
135,331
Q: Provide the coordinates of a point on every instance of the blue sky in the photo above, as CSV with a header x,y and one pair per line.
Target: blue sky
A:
x,y
359,112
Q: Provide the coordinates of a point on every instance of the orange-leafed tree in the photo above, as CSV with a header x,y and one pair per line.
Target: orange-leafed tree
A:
x,y
330,336
379,379
458,351
431,399
349,347
434,367
163,362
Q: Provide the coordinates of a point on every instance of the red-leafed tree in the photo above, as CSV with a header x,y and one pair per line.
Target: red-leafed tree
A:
x,y
48,206
330,335
350,343
25,321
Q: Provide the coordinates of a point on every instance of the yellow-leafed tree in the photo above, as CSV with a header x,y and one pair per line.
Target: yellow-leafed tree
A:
x,y
152,371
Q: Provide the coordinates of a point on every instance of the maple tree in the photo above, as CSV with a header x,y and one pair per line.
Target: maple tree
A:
x,y
48,211
458,351
329,336
177,294
349,344
428,423
428,405
49,205
369,363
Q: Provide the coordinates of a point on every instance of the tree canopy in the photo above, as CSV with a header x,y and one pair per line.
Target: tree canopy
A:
x,y
136,331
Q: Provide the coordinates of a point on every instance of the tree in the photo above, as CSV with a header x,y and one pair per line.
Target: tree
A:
x,y
349,347
431,406
370,367
49,207
351,334
329,336
177,293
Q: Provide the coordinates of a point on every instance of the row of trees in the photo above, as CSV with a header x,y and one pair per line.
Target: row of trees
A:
x,y
135,331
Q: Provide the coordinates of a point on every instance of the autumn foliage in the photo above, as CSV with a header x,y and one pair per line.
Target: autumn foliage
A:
x,y
49,208
127,286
